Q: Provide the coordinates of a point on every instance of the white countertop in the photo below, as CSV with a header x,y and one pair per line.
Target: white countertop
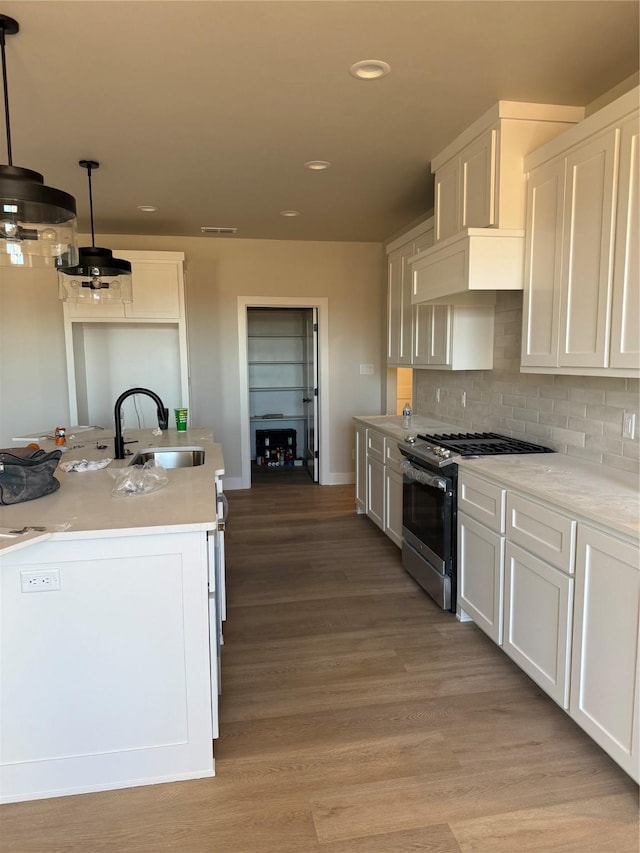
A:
x,y
84,507
602,495
391,425
594,493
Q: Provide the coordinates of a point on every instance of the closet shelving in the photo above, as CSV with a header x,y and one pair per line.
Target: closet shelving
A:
x,y
277,364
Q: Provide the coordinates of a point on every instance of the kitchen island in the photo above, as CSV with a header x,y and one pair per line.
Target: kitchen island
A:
x,y
110,626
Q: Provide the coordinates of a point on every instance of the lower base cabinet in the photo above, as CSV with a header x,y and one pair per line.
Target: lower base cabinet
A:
x,y
568,615
481,575
604,670
538,603
379,480
375,492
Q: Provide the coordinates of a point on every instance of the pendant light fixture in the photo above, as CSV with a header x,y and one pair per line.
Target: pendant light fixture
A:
x,y
37,223
98,276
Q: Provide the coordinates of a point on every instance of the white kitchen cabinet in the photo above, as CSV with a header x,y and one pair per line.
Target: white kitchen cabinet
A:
x,y
375,492
379,480
453,337
481,575
392,491
481,518
587,252
478,177
604,671
375,477
581,260
625,308
158,290
400,311
361,468
538,592
538,605
543,257
110,348
106,680
542,530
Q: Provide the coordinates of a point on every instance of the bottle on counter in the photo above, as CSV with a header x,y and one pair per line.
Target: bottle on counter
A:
x,y
406,416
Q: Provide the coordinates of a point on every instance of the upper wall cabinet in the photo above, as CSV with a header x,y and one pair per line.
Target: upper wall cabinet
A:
x,y
110,348
478,178
480,202
400,314
581,303
436,336
157,281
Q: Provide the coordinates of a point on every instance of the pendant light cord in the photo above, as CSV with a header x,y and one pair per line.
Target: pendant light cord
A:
x,y
6,95
93,239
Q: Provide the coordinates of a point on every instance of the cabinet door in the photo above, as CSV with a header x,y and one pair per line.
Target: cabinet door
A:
x,y
375,492
537,621
446,204
604,669
432,335
393,505
478,182
394,305
481,575
422,320
625,319
587,253
157,289
543,265
440,344
361,469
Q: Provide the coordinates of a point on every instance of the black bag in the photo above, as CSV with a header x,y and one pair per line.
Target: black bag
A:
x,y
27,474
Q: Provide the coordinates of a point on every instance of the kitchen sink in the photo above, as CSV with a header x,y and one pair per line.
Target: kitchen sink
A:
x,y
170,457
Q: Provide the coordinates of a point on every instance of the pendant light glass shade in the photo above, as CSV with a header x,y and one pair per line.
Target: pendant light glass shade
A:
x,y
98,276
37,223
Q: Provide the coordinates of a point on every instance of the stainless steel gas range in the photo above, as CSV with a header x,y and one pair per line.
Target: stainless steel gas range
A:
x,y
430,477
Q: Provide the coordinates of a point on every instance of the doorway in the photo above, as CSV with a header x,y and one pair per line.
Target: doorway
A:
x,y
284,389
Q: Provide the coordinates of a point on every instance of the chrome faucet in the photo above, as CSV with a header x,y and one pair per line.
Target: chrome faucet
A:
x,y
163,416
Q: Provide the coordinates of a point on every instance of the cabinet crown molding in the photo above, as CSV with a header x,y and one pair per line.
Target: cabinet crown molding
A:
x,y
507,110
616,111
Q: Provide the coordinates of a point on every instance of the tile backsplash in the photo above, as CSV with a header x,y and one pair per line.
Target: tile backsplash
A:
x,y
577,415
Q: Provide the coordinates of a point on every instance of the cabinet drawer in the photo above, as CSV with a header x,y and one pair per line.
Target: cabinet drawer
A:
x,y
375,445
482,500
392,455
543,531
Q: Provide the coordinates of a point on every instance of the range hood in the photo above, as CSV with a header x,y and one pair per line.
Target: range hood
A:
x,y
474,261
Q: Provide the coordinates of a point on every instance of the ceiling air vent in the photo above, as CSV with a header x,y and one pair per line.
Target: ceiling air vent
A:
x,y
212,229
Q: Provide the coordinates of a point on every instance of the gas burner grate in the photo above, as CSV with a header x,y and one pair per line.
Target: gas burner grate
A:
x,y
483,444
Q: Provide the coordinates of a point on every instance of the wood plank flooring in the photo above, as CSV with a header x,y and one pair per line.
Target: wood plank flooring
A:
x,y
356,717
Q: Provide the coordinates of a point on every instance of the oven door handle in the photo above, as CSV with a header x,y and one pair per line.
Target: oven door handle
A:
x,y
419,475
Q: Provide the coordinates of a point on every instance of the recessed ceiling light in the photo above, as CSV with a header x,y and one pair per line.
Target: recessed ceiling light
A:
x,y
370,69
147,208
317,165
289,213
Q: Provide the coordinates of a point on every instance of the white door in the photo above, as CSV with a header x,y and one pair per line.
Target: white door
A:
x,y
311,393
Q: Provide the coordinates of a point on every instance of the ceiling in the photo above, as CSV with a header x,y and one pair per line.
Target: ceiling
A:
x,y
209,109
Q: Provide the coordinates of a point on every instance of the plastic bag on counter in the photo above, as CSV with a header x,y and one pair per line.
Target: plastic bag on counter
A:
x,y
139,479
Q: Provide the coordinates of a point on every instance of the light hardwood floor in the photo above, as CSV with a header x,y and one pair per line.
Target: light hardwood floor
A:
x,y
356,718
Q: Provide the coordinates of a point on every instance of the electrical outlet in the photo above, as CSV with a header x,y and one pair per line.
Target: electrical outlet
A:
x,y
463,399
40,580
366,369
437,395
629,425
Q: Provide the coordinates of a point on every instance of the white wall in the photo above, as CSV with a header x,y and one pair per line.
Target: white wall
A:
x,y
33,392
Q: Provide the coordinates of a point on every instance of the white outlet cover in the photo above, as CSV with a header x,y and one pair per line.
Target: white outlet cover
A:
x,y
39,580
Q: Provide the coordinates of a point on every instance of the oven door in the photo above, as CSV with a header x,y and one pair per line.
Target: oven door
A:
x,y
428,527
